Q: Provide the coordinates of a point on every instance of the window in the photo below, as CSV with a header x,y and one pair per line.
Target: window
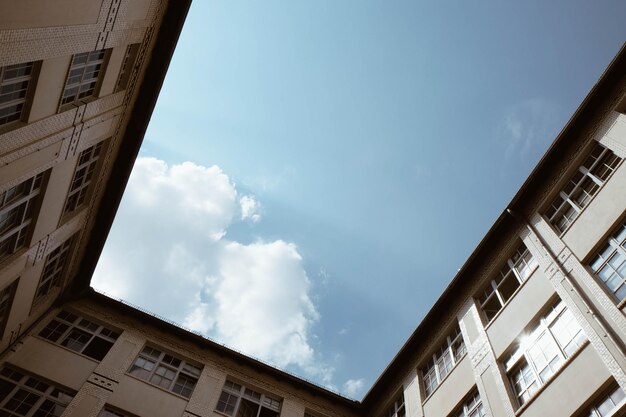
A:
x,y
609,404
166,371
472,407
18,206
397,408
14,80
239,401
443,361
83,77
127,67
499,290
106,412
25,395
543,351
6,301
80,335
582,187
609,264
87,162
53,270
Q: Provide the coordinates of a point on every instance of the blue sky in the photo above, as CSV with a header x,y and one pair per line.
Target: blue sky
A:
x,y
316,172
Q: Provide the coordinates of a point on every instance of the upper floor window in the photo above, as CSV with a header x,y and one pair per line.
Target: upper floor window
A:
x,y
87,163
500,289
80,335
166,371
609,264
443,361
18,207
582,187
14,82
127,67
609,404
53,270
107,412
6,301
237,400
83,77
397,408
25,395
472,407
543,350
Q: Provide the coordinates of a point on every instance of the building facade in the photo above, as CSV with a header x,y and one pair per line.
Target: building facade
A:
x,y
533,324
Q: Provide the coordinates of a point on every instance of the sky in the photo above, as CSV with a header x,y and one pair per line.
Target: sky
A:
x,y
316,172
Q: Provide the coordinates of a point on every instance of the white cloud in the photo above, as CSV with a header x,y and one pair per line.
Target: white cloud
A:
x,y
353,387
249,208
528,127
168,252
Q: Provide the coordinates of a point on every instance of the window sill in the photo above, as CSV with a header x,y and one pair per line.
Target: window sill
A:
x,y
425,400
552,378
128,374
488,325
67,349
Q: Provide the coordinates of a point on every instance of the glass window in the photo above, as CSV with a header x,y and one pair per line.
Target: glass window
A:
x,y
582,187
609,264
543,350
166,371
237,400
53,270
14,83
127,67
83,77
609,404
6,301
397,408
87,162
443,361
472,406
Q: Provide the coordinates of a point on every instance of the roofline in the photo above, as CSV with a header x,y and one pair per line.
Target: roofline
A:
x,y
614,70
221,350
147,95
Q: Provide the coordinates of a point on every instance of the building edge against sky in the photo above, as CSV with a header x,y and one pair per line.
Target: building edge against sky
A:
x,y
533,324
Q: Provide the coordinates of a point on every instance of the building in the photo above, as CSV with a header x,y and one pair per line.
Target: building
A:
x,y
532,325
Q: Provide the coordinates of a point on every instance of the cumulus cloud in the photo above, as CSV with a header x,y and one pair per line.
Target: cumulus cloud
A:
x,y
528,126
168,251
353,387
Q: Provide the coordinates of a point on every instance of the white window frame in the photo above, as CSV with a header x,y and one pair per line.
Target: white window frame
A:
x,y
239,392
397,409
42,395
472,406
525,371
609,263
17,87
153,363
443,361
21,204
518,267
614,397
84,76
54,268
595,172
83,174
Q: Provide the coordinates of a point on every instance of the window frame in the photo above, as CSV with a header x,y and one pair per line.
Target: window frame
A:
x,y
593,409
431,369
470,404
54,269
147,356
397,408
19,379
570,207
24,204
511,270
95,89
247,393
26,100
83,186
7,296
521,366
74,322
601,259
127,67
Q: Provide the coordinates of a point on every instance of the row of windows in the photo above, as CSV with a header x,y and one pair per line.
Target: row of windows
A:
x,y
83,80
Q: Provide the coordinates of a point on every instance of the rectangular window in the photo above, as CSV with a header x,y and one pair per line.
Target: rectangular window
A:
x,y
582,187
80,335
609,404
443,361
14,82
237,400
53,270
6,301
543,350
609,264
25,395
166,371
397,408
500,289
127,67
18,208
79,188
83,77
472,407
107,412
